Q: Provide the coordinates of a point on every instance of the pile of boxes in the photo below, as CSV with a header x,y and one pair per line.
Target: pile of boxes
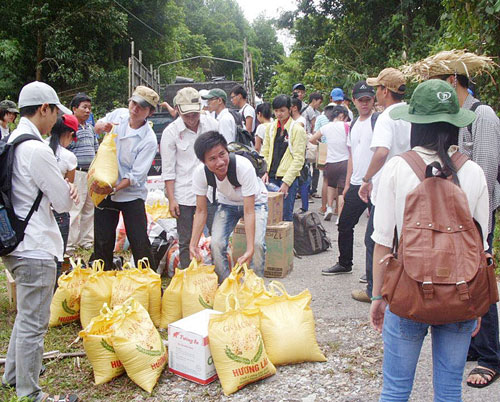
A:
x,y
279,240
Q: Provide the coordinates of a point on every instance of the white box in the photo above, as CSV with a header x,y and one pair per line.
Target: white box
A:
x,y
188,349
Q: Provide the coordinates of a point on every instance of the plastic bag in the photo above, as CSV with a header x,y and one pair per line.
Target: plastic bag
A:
x,y
129,283
239,354
287,326
138,344
153,280
65,305
95,292
198,288
171,303
104,168
100,353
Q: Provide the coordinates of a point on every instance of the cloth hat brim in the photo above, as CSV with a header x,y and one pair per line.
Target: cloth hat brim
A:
x,y
12,110
140,100
373,82
463,118
207,97
191,108
63,108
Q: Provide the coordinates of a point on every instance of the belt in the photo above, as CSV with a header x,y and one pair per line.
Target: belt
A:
x,y
82,169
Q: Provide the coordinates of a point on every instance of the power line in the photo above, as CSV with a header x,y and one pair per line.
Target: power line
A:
x,y
138,19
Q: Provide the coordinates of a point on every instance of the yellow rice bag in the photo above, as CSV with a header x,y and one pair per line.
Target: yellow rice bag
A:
x,y
153,280
228,287
128,283
171,303
198,288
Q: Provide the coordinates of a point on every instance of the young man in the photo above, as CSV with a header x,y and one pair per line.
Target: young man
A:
x,y
390,138
360,154
247,201
81,230
179,162
284,151
32,263
217,99
136,147
337,97
312,111
299,91
239,99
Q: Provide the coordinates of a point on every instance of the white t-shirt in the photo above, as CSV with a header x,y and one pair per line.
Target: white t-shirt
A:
x,y
302,120
359,140
261,130
336,139
4,132
248,111
391,134
226,192
66,160
227,125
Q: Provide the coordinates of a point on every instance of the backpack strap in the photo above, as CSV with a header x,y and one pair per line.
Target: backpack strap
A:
x,y
473,108
211,182
459,160
416,163
374,118
231,171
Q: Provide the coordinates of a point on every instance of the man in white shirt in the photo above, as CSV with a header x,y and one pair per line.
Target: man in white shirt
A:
x,y
217,99
390,138
32,263
179,161
240,193
239,99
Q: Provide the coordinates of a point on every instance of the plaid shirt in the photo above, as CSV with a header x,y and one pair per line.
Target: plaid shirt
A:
x,y
483,147
86,146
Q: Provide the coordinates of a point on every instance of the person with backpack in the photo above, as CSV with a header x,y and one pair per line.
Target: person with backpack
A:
x,y
217,99
284,152
427,201
240,194
33,183
239,99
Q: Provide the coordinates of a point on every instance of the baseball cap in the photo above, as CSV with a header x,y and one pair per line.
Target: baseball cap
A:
x,y
361,89
145,96
337,94
215,93
9,106
188,100
391,78
299,86
70,121
37,93
434,101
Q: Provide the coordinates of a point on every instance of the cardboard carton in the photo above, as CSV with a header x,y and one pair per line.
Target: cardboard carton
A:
x,y
279,244
188,349
275,208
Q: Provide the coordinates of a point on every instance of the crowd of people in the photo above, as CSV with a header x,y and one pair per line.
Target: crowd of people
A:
x,y
210,188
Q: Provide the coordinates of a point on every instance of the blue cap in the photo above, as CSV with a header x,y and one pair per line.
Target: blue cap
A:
x,y
337,94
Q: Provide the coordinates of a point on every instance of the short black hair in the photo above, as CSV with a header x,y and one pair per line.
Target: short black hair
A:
x,y
57,131
239,90
79,98
315,96
332,112
206,141
28,111
264,109
395,95
3,112
297,102
282,101
462,79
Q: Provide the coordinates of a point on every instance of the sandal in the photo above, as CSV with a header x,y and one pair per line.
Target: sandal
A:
x,y
59,398
485,374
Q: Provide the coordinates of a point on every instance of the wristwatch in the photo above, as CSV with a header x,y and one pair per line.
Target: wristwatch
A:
x,y
365,180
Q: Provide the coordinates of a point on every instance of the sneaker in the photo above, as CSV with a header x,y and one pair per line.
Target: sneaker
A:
x,y
337,269
360,295
316,195
363,279
328,213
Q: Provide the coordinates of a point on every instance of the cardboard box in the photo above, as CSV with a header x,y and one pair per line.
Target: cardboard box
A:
x,y
275,208
279,244
11,289
188,350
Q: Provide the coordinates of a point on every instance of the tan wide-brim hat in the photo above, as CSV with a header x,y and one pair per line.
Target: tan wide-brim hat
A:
x,y
391,78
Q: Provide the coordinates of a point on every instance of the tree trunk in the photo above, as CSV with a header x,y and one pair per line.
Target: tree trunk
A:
x,y
39,56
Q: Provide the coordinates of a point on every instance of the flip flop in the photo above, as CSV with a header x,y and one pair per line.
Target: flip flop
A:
x,y
485,373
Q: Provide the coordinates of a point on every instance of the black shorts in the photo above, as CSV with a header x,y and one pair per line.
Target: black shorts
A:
x,y
335,174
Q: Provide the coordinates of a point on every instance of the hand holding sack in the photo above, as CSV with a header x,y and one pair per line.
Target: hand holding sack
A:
x,y
65,305
198,288
129,283
237,348
287,326
103,172
171,303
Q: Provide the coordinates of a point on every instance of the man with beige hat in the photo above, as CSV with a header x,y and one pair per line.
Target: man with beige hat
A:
x,y
179,161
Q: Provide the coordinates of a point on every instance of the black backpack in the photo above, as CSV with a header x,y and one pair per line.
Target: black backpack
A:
x,y
235,148
373,119
309,235
242,135
11,227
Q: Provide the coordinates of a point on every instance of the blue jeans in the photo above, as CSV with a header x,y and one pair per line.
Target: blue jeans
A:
x,y
403,340
304,193
289,200
225,220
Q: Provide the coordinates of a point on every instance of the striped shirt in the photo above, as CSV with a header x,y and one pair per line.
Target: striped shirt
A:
x,y
483,147
86,146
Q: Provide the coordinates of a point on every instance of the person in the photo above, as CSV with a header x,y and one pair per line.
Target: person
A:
x,y
264,116
284,152
217,99
310,114
136,147
239,99
360,154
337,97
32,263
299,91
8,114
335,134
435,116
179,161
480,141
390,138
81,230
61,135
247,201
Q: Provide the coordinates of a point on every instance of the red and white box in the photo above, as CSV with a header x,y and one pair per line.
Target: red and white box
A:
x,y
188,350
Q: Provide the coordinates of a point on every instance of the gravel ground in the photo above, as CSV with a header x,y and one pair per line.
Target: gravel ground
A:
x,y
353,349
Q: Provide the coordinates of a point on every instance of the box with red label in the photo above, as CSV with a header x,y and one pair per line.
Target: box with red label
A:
x,y
188,349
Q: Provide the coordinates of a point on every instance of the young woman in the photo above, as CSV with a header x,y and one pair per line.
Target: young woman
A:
x,y
264,116
8,114
436,117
